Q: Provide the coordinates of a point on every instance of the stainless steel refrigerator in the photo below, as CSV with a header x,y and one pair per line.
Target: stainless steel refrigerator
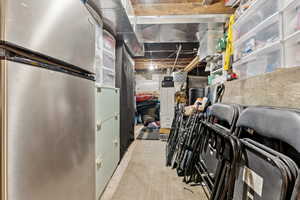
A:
x,y
47,100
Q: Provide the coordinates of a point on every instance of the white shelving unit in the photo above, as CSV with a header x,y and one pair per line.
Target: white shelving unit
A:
x,y
263,44
258,35
219,75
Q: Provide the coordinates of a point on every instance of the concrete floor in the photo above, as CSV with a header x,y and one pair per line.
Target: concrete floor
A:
x,y
142,175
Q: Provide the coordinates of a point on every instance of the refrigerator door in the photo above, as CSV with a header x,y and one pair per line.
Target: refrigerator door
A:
x,y
56,28
50,134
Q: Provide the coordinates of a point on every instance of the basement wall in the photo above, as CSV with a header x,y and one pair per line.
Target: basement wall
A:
x,y
279,89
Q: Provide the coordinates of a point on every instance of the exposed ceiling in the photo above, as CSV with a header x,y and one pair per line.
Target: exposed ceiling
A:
x,y
162,1
164,25
178,7
169,50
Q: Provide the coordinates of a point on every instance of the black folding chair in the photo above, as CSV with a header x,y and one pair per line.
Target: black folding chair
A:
x,y
177,124
215,151
270,146
296,192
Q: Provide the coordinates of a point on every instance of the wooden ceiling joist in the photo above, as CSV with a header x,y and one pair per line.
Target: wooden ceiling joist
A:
x,y
186,8
146,64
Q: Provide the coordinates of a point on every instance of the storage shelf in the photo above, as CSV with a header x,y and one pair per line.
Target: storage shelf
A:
x,y
217,71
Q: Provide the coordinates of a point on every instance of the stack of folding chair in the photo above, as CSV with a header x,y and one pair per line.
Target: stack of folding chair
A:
x,y
241,153
296,193
213,150
270,144
185,144
177,124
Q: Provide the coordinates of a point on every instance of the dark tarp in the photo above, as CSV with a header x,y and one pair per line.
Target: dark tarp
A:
x,y
125,80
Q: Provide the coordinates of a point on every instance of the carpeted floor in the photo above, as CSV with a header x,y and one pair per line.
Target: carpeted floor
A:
x,y
148,134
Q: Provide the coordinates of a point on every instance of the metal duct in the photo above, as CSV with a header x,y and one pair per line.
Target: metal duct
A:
x,y
176,29
118,15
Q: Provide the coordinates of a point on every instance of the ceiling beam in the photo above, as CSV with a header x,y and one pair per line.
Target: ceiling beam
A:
x,y
182,19
189,8
165,9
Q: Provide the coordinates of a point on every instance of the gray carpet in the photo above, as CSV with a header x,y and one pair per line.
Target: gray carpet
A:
x,y
148,134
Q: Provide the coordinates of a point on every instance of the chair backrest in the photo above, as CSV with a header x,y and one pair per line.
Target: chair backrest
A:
x,y
278,124
227,114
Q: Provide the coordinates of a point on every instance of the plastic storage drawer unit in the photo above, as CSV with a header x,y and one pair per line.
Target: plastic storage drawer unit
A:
x,y
292,51
266,33
241,68
292,18
108,77
257,13
266,60
108,61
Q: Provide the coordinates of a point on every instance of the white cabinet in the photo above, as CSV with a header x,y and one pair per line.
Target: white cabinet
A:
x,y
107,147
167,106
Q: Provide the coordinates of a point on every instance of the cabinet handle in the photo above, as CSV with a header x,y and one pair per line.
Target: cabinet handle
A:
x,y
98,126
98,163
116,143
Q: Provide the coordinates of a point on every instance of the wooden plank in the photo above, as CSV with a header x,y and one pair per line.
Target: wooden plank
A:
x,y
279,89
164,131
144,64
161,1
191,8
192,65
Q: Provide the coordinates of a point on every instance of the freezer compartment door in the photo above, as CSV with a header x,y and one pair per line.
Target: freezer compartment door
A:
x,y
56,28
50,135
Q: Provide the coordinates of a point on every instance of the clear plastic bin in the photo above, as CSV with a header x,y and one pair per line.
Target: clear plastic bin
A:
x,y
257,13
98,53
108,78
264,61
209,43
241,70
109,43
292,18
266,33
292,51
108,61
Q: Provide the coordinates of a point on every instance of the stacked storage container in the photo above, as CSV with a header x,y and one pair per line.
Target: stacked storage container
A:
x,y
258,36
108,71
291,19
209,42
107,98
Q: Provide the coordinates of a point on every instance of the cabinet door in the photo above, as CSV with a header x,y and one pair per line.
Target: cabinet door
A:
x,y
117,101
105,103
117,140
104,154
